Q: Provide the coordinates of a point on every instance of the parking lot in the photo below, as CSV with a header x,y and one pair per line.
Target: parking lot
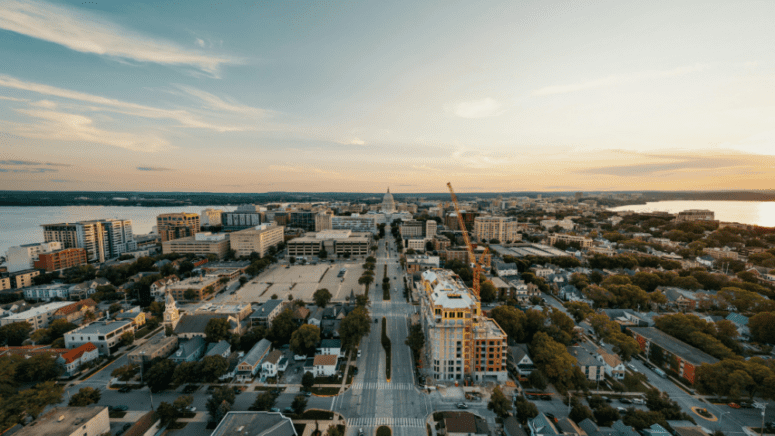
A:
x,y
301,282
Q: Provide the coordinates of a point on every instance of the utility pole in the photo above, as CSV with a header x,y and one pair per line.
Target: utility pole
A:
x,y
762,406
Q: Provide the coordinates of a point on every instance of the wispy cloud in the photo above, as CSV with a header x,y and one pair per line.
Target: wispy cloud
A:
x,y
184,117
28,170
2,97
425,168
29,162
678,163
617,79
154,169
486,107
45,104
88,32
217,103
301,169
477,159
358,141
61,126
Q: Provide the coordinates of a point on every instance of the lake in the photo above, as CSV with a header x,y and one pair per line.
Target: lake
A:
x,y
21,225
760,213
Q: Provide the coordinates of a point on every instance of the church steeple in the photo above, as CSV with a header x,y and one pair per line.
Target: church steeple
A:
x,y
171,313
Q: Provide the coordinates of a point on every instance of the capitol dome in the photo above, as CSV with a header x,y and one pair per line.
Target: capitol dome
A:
x,y
388,205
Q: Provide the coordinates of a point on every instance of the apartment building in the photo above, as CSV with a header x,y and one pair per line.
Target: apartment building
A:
x,y
430,228
69,421
200,287
24,256
171,226
335,242
47,292
61,259
696,215
583,242
565,224
674,355
257,239
462,256
412,229
246,216
104,334
461,341
202,243
38,317
102,239
23,279
451,220
503,229
210,217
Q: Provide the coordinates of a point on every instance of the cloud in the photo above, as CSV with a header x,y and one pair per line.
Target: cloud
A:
x,y
61,126
217,103
616,79
29,162
45,104
477,159
185,118
425,168
2,97
64,181
301,169
88,32
682,164
28,170
200,42
487,107
358,141
154,169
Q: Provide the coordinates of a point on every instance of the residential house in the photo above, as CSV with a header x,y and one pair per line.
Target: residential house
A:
x,y
72,360
706,261
191,325
38,317
512,427
680,299
324,365
222,348
251,362
519,362
265,313
655,430
301,314
505,269
592,369
255,424
159,287
75,312
271,363
316,316
541,425
86,289
614,367
135,315
628,318
465,424
741,322
330,346
329,328
156,347
231,372
569,428
190,350
504,288
677,356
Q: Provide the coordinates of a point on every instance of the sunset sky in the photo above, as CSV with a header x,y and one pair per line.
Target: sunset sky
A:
x,y
234,96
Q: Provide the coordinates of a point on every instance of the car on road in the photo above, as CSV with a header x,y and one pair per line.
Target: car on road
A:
x,y
359,353
124,389
632,367
462,406
288,410
299,357
638,401
606,399
307,394
360,432
274,409
546,397
734,405
625,400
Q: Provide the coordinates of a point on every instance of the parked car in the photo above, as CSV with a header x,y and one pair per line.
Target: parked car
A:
x,y
307,394
124,389
632,367
191,408
121,407
359,353
638,401
606,399
299,357
734,405
625,400
462,406
274,409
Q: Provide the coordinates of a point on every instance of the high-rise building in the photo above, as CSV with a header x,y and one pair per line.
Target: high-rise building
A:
x,y
256,240
177,225
102,239
302,220
24,256
460,340
430,228
211,217
468,218
505,230
323,221
245,217
355,222
412,229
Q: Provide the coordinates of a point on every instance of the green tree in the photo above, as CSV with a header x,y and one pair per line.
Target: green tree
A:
x,y
182,402
15,333
127,338
167,413
59,327
322,297
553,360
186,372
488,292
525,409
305,339
159,376
220,402
580,412
40,367
84,397
213,367
537,380
125,372
282,328
511,320
264,401
299,404
307,380
252,337
606,415
579,310
334,430
762,327
217,329
416,339
499,404
354,326
114,308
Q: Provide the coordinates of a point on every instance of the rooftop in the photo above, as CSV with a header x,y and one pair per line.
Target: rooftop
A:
x,y
39,310
155,343
325,360
76,353
254,424
101,327
461,422
674,346
273,357
61,421
266,308
448,291
196,323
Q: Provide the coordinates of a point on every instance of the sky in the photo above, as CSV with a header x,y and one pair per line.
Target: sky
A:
x,y
494,96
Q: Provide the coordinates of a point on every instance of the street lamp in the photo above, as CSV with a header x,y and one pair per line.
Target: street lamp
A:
x,y
762,406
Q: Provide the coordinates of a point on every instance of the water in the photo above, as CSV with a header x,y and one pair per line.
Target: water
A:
x,y
21,225
760,213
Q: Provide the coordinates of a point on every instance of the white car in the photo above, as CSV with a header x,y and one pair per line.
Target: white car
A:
x,y
359,353
632,367
191,408
299,357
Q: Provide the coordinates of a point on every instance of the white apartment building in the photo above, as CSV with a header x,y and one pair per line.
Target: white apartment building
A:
x,y
412,229
38,317
504,229
565,224
460,340
355,222
257,239
210,217
102,239
430,228
24,256
582,241
47,292
104,334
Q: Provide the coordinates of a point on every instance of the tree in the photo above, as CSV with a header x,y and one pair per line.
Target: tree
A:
x,y
217,330
160,375
762,327
114,308
252,337
322,254
560,327
579,310
580,412
307,380
606,415
84,397
354,326
537,380
125,372
89,316
299,404
322,297
334,430
488,292
735,378
167,413
292,260
182,402
264,401
221,396
416,339
40,367
127,338
15,333
511,320
213,367
282,328
553,360
304,339
499,404
525,409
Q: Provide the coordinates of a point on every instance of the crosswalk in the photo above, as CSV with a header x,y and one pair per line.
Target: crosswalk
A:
x,y
393,422
383,386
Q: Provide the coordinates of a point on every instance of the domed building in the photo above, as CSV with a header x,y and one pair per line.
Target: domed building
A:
x,y
388,204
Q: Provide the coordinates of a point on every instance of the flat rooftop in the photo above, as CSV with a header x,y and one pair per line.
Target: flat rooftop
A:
x,y
255,424
674,346
101,327
39,310
49,424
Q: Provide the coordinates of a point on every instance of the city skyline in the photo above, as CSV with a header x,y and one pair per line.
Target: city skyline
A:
x,y
337,97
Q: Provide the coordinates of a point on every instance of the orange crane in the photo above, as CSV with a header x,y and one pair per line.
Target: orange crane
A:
x,y
476,266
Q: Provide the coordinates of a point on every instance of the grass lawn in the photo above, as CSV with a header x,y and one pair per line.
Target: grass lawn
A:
x,y
384,431
324,391
321,415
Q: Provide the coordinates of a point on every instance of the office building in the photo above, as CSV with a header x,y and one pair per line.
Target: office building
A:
x,y
302,220
102,239
451,220
69,421
210,217
584,243
323,221
202,243
430,228
199,288
104,334
38,317
24,256
461,341
257,239
158,346
171,226
61,259
355,222
246,216
22,279
412,229
335,243
504,230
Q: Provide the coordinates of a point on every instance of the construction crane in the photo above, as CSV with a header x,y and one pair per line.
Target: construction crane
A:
x,y
475,265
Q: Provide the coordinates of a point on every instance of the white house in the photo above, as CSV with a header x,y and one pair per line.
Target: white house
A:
x,y
331,346
271,363
72,360
519,361
316,317
324,365
614,367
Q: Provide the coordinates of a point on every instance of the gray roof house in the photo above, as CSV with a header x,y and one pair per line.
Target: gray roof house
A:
x,y
541,425
250,363
189,350
255,423
222,348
